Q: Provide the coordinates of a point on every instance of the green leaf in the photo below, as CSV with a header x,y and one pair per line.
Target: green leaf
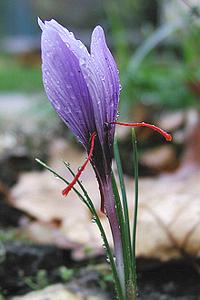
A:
x,y
135,159
127,234
128,270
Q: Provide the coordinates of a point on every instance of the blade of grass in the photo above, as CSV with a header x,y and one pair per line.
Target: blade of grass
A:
x,y
128,245
121,221
151,42
135,159
123,192
128,270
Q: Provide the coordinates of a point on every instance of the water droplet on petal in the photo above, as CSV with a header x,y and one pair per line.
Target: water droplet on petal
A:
x,y
71,34
57,105
73,97
82,62
80,44
68,86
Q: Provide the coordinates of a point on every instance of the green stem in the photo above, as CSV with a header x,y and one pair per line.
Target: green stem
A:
x,y
135,158
124,197
126,234
121,221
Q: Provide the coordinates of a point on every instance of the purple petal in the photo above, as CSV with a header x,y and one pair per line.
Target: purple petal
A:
x,y
65,85
106,66
102,79
41,24
76,46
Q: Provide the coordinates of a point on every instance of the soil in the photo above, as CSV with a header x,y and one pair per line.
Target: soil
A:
x,y
175,280
20,263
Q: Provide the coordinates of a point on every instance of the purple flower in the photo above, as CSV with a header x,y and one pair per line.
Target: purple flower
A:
x,y
84,89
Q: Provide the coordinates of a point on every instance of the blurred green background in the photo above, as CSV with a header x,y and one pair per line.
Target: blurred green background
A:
x,y
156,45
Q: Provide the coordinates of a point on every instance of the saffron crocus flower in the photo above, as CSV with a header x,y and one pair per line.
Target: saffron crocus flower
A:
x,y
84,89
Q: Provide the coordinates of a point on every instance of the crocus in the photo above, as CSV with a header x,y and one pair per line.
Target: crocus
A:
x,y
84,89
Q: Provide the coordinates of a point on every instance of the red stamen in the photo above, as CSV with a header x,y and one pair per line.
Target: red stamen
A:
x,y
166,135
70,186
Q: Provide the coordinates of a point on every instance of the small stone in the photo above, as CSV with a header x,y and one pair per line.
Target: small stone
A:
x,y
53,292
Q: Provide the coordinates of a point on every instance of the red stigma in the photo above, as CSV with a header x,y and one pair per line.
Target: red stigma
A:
x,y
166,135
70,186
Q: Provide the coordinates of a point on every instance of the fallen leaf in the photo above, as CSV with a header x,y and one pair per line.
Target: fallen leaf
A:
x,y
172,121
168,221
161,158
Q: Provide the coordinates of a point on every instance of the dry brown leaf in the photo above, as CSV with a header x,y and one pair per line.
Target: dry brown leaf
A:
x,y
160,158
172,121
168,221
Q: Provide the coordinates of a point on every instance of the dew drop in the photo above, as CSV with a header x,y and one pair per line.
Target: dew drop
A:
x,y
94,220
56,104
47,72
71,34
104,246
107,259
68,86
80,44
82,62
